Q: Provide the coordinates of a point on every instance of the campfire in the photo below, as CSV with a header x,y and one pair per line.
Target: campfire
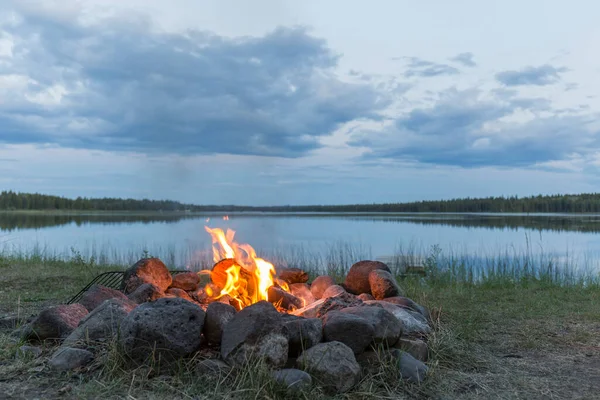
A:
x,y
241,277
247,308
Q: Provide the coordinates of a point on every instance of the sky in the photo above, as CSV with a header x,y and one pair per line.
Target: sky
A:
x,y
275,102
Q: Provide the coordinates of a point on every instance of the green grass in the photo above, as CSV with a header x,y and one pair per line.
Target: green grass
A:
x,y
512,331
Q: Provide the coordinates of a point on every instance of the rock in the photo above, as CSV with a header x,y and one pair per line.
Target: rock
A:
x,y
102,324
212,366
28,352
413,324
410,304
302,291
332,364
352,330
292,275
332,291
217,316
55,322
284,299
416,348
302,334
255,331
272,348
292,378
365,297
187,281
97,294
383,284
320,284
387,328
145,293
357,280
67,358
339,302
168,328
411,369
182,294
146,270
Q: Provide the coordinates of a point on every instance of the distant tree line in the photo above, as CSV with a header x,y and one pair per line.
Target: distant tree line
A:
x,y
579,203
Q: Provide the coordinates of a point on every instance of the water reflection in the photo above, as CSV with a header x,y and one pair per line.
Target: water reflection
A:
x,y
549,222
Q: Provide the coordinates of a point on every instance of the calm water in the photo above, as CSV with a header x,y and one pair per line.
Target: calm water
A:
x,y
183,239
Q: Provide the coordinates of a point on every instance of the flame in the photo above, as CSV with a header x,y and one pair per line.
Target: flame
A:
x,y
239,272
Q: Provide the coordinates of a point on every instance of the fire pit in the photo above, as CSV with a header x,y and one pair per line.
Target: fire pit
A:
x,y
246,309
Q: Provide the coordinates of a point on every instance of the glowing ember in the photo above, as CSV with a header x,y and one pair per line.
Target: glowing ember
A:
x,y
238,271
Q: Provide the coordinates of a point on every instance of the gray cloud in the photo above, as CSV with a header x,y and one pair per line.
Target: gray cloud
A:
x,y
465,59
462,129
119,85
417,67
539,76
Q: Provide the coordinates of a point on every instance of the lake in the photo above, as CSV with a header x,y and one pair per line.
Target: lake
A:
x,y
182,239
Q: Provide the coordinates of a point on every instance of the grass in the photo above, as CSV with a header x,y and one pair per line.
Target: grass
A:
x,y
517,327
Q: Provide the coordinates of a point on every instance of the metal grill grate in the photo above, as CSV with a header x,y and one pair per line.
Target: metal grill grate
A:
x,y
112,279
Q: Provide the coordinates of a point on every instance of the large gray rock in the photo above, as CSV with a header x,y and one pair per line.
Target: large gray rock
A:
x,y
411,369
168,328
187,281
333,364
217,316
67,358
255,332
302,334
146,270
145,293
101,325
97,294
413,323
55,322
383,284
410,304
357,280
294,379
416,348
271,348
352,330
320,284
387,328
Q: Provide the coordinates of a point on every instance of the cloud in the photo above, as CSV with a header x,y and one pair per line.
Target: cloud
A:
x,y
116,83
538,76
473,129
417,67
465,59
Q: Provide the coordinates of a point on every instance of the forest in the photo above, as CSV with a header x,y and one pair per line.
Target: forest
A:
x,y
559,203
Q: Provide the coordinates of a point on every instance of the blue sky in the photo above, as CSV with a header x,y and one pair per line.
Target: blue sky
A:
x,y
287,102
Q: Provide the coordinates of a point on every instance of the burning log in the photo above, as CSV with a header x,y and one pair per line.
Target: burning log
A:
x,y
285,299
